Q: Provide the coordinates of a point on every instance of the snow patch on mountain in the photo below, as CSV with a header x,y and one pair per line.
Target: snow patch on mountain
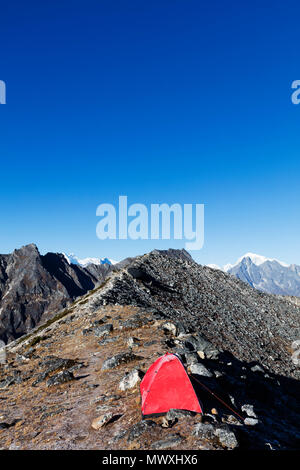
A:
x,y
72,259
214,266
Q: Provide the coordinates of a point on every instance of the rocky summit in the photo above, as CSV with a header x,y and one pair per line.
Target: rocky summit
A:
x,y
73,381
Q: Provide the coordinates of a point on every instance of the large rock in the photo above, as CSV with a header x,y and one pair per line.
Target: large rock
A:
x,y
191,358
170,327
171,441
130,380
204,430
102,420
2,352
60,378
200,369
103,330
204,348
226,437
133,342
248,409
173,415
121,358
57,364
139,428
250,421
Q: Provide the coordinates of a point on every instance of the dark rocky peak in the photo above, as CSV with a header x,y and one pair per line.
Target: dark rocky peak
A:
x,y
34,287
76,279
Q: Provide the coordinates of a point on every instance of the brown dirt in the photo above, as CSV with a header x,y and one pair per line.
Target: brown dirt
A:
x,y
60,416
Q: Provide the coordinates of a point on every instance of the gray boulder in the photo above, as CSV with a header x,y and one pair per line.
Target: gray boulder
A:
x,y
248,409
130,380
250,421
191,358
172,441
102,420
226,437
122,358
60,378
138,429
200,369
204,430
103,330
173,415
204,348
170,327
132,342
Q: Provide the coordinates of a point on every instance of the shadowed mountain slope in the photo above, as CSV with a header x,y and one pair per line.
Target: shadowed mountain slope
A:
x,y
32,286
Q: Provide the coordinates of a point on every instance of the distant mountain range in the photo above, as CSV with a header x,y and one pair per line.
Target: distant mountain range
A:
x,y
73,259
265,274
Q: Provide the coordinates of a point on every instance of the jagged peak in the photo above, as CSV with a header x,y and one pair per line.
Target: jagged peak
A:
x,y
255,259
30,248
174,253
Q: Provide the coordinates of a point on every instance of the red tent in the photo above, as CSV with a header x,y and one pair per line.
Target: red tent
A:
x,y
166,385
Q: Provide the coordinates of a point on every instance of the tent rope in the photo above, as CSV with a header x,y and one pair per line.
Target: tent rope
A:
x,y
218,398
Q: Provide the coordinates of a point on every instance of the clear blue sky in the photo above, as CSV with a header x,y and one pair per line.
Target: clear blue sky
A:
x,y
163,101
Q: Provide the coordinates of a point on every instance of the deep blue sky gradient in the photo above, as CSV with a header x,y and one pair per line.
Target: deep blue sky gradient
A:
x,y
163,101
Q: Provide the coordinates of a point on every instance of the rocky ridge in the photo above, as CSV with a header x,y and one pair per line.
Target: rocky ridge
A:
x,y
229,313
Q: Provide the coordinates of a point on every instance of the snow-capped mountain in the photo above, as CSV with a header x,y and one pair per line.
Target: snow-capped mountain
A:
x,y
72,259
266,274
255,259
